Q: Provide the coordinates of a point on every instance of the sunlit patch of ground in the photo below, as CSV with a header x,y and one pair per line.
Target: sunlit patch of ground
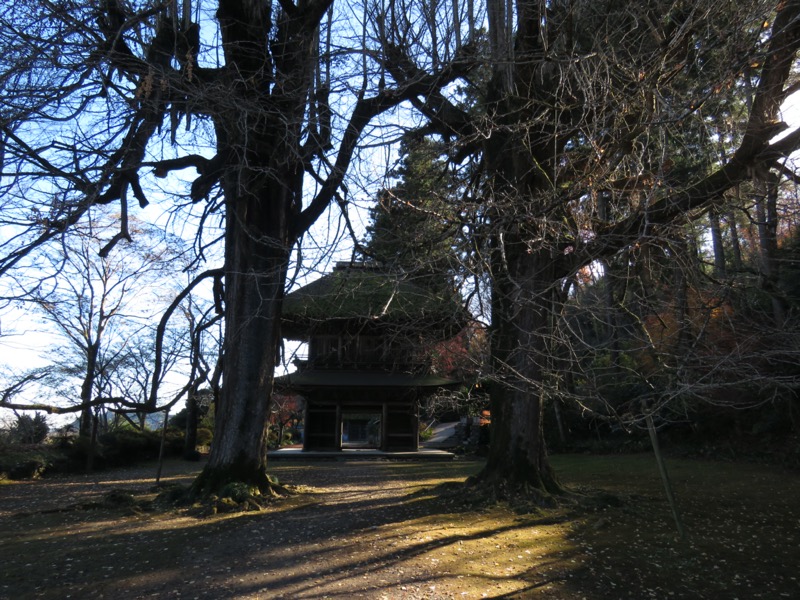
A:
x,y
397,530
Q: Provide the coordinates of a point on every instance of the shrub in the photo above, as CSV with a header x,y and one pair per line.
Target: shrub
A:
x,y
204,436
125,447
272,439
28,461
30,429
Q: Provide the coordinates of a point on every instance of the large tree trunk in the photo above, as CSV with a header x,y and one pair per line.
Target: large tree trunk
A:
x,y
257,258
522,317
260,139
525,261
523,271
736,248
767,216
716,243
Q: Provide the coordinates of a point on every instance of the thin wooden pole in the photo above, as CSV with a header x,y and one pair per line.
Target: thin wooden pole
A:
x,y
161,448
662,468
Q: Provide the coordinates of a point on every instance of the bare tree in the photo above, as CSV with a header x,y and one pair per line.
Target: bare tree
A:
x,y
97,310
586,148
266,101
130,375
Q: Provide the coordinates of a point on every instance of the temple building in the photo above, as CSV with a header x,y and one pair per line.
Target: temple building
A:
x,y
369,335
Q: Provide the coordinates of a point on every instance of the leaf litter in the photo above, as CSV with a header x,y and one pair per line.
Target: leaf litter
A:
x,y
407,530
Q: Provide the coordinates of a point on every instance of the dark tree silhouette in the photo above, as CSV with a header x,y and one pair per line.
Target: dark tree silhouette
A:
x,y
585,146
265,101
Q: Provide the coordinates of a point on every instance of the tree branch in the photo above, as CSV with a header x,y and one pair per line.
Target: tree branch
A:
x,y
365,110
754,155
162,326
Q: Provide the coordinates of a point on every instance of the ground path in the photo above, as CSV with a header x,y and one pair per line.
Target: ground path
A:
x,y
384,530
363,529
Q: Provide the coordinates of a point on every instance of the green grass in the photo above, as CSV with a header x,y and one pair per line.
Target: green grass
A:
x,y
742,522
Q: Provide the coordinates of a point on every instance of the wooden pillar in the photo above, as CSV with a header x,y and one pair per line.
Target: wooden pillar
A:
x,y
338,432
384,426
415,419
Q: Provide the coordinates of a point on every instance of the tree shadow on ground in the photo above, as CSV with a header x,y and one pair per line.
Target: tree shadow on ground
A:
x,y
362,531
384,530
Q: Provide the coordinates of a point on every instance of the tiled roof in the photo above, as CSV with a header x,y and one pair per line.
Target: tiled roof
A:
x,y
366,293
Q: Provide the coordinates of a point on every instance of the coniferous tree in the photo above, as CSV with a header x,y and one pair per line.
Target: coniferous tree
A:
x,y
414,224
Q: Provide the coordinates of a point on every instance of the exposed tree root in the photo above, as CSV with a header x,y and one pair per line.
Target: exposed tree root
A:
x,y
519,496
227,490
525,498
540,488
215,480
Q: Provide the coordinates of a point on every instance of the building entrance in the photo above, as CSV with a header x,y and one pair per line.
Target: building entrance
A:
x,y
361,430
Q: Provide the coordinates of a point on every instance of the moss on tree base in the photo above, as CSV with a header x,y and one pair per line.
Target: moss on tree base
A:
x,y
534,490
232,482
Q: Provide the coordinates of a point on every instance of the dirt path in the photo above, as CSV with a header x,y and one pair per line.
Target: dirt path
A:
x,y
360,533
381,530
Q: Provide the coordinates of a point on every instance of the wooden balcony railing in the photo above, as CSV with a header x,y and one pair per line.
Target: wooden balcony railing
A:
x,y
358,364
